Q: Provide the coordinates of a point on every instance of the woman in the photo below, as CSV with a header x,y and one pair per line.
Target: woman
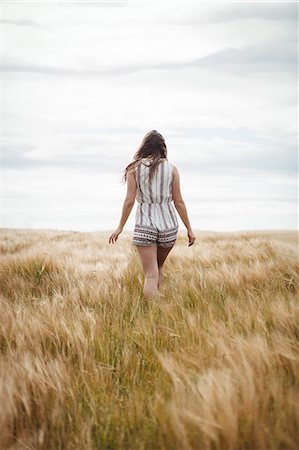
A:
x,y
155,183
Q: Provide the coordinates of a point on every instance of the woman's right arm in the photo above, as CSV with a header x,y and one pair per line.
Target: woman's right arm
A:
x,y
180,205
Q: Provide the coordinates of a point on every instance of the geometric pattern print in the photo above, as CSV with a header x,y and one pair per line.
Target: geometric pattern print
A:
x,y
148,235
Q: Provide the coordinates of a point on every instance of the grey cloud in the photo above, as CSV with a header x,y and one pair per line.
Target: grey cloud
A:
x,y
22,23
15,66
273,56
269,11
231,12
15,157
225,12
279,160
270,156
105,5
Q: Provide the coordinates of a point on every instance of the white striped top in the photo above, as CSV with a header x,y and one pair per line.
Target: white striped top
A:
x,y
154,198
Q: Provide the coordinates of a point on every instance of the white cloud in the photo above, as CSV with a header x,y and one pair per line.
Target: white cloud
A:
x,y
85,82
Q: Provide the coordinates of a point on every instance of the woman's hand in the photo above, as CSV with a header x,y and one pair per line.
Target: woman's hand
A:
x,y
114,235
191,237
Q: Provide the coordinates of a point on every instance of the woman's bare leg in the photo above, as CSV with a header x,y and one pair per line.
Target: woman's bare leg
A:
x,y
161,256
148,256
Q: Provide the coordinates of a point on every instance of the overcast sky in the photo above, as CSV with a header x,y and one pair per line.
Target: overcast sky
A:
x,y
83,82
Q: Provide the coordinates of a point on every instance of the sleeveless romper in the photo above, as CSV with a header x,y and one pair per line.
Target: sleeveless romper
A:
x,y
155,219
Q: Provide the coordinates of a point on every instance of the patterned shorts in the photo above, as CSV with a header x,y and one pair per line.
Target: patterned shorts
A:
x,y
149,235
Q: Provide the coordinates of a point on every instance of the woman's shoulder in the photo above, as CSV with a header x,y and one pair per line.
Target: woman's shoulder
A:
x,y
132,169
134,166
173,166
175,172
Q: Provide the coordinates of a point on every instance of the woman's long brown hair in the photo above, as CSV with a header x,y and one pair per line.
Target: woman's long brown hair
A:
x,y
153,144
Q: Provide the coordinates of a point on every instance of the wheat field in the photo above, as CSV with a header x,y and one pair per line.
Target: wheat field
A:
x,y
87,362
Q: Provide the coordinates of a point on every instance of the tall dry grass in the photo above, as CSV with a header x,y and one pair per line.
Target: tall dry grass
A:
x,y
87,363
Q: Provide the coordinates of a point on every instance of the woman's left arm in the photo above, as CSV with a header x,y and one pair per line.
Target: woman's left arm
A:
x,y
127,206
